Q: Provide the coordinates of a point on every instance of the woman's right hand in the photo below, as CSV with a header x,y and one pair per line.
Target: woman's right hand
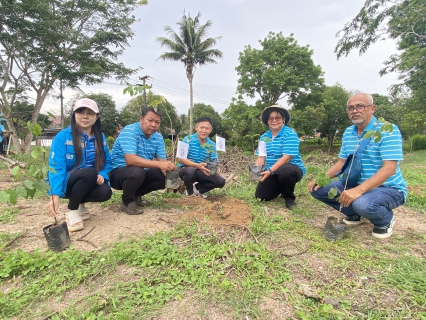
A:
x,y
53,206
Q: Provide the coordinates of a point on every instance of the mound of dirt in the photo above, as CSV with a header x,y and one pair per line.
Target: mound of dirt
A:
x,y
109,225
219,212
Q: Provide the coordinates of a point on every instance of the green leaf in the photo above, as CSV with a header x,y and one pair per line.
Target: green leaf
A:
x,y
13,196
15,171
37,129
4,196
332,193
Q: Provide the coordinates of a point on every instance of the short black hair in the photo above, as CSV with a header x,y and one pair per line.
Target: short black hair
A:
x,y
157,111
205,119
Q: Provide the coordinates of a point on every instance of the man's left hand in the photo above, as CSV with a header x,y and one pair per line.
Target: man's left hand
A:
x,y
349,196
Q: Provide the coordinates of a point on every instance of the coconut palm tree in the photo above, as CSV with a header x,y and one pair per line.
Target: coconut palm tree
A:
x,y
191,46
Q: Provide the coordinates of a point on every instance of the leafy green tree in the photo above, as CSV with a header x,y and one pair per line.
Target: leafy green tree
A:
x,y
242,125
402,20
107,110
335,119
132,111
282,68
205,110
386,109
45,42
192,46
22,113
306,121
413,123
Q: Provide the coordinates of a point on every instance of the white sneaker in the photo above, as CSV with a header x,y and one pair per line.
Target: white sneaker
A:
x,y
198,193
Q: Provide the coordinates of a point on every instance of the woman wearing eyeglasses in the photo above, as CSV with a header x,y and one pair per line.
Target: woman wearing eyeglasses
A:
x,y
81,160
283,163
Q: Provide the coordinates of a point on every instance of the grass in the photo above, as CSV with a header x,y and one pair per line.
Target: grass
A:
x,y
231,273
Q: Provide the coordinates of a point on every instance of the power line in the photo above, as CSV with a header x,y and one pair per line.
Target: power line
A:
x,y
176,89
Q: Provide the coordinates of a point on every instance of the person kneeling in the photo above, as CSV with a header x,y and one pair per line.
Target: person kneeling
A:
x,y
193,169
283,163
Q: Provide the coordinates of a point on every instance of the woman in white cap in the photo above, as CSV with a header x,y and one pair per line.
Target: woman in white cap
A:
x,y
283,163
81,160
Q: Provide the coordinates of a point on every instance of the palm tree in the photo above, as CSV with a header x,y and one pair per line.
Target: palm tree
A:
x,y
190,46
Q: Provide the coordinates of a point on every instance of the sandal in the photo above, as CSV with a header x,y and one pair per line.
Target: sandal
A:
x,y
83,211
74,221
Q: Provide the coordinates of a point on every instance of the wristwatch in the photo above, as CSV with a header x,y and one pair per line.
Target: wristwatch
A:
x,y
270,171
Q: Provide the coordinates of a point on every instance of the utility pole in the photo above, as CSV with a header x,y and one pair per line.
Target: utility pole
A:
x,y
62,104
144,90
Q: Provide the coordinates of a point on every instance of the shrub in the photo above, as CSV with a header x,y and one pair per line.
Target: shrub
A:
x,y
419,142
110,141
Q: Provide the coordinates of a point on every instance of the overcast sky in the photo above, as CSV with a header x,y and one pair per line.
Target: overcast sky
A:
x,y
240,23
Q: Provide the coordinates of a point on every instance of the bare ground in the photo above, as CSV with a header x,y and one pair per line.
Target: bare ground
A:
x,y
108,225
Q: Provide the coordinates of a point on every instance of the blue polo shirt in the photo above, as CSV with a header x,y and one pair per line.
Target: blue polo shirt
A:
x,y
388,148
131,140
286,142
1,130
90,151
198,153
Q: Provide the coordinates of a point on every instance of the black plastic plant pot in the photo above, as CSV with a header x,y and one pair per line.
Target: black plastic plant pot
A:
x,y
213,166
255,172
57,236
172,180
334,230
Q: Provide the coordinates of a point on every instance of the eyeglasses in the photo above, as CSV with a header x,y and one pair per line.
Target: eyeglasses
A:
x,y
275,119
359,107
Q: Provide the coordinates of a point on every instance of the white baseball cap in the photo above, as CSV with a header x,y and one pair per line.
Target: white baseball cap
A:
x,y
86,103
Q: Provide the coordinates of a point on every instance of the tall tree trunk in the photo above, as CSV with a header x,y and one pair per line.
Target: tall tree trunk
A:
x,y
191,103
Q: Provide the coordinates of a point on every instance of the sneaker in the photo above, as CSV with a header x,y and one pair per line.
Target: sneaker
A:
x,y
290,203
383,232
353,221
132,208
198,193
141,202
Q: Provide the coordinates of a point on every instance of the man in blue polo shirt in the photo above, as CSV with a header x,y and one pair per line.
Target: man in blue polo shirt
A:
x,y
193,168
380,187
139,161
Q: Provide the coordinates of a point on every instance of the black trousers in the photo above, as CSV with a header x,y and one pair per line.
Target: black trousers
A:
x,y
282,183
82,188
190,175
2,152
136,181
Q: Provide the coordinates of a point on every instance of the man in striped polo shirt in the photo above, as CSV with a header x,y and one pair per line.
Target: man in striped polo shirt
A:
x,y
380,187
139,161
193,168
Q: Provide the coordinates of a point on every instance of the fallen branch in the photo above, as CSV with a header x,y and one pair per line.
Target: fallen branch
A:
x,y
230,178
83,236
89,242
248,229
12,241
12,163
85,240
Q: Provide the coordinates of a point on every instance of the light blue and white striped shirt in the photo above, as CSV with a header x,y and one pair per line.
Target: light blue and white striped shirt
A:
x,y
388,148
131,140
197,153
286,142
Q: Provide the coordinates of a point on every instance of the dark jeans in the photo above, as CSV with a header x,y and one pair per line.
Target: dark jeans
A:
x,y
136,181
282,183
2,151
190,175
82,188
375,205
